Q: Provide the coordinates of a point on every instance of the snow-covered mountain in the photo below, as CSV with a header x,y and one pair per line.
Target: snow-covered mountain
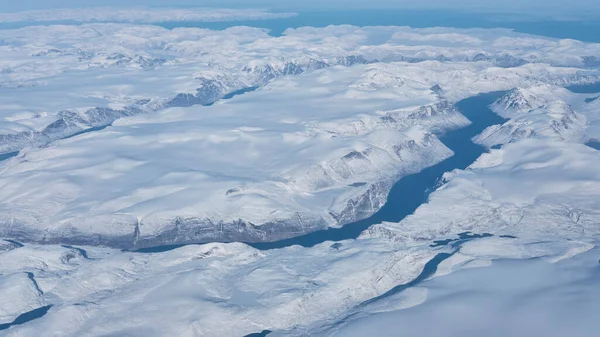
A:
x,y
542,112
201,136
283,176
323,151
517,102
321,141
512,191
554,120
437,117
534,200
186,67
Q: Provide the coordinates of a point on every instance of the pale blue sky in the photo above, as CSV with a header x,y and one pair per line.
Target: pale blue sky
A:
x,y
515,6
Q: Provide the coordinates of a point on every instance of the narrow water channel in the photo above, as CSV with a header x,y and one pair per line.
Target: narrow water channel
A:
x,y
26,317
5,156
413,190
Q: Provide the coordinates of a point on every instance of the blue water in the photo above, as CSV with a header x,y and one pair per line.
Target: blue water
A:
x,y
263,333
429,269
22,24
16,243
81,251
462,238
588,89
593,88
6,156
594,144
82,132
235,93
31,277
512,297
413,190
26,317
359,184
239,92
579,30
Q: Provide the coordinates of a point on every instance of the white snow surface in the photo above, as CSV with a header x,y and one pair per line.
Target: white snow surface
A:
x,y
20,295
212,290
233,290
319,148
540,200
536,186
301,153
296,159
542,112
542,192
511,298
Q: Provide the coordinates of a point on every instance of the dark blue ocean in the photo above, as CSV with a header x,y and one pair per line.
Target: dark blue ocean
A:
x,y
583,30
576,29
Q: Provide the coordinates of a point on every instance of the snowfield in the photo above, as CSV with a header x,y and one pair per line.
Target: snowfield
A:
x,y
542,112
337,115
502,300
131,136
510,191
234,290
123,69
